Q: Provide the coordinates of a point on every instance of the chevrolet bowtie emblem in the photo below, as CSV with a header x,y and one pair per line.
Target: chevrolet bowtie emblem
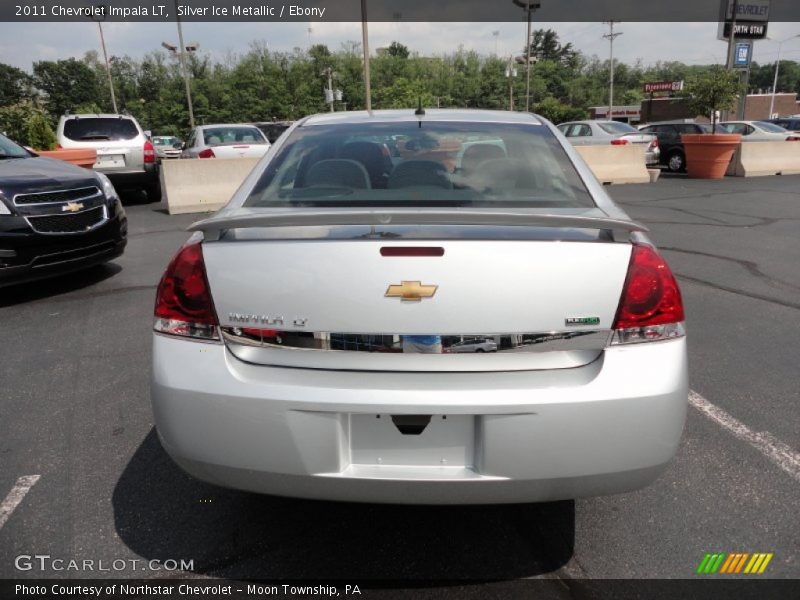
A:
x,y
411,291
71,207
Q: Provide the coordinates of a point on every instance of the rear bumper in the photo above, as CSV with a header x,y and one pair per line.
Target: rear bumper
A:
x,y
607,427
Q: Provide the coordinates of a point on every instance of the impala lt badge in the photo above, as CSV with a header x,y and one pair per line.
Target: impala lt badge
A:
x,y
411,291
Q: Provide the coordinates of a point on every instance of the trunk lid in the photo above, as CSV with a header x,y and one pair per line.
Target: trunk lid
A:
x,y
554,300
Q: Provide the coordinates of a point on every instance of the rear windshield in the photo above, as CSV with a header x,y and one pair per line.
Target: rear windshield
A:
x,y
771,127
430,163
99,128
222,136
617,127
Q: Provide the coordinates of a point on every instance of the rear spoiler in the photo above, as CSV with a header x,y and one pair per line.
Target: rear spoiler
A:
x,y
247,218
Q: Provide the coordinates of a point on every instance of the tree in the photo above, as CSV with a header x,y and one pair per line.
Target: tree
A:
x,y
713,91
397,50
556,112
17,85
66,84
546,46
40,134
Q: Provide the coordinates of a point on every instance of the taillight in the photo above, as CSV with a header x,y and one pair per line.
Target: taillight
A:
x,y
206,153
650,308
619,142
654,143
183,301
149,152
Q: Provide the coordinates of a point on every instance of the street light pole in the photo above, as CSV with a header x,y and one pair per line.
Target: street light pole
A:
x,y
529,6
182,55
511,72
365,44
775,79
108,68
610,37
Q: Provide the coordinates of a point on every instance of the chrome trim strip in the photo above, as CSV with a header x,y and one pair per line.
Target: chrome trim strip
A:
x,y
555,341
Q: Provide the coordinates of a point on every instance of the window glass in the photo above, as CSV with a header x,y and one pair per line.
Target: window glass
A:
x,y
9,149
222,136
432,163
616,127
85,129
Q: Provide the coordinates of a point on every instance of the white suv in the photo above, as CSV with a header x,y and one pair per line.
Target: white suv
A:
x,y
124,152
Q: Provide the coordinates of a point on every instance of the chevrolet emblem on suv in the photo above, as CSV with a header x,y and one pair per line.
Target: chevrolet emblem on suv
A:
x,y
72,207
411,291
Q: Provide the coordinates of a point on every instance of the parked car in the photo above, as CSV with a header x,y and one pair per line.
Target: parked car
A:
x,y
596,133
273,129
226,141
54,217
673,156
167,146
473,345
791,124
759,131
248,391
124,153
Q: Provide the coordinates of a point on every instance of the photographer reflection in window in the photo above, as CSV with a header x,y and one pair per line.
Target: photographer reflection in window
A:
x,y
422,344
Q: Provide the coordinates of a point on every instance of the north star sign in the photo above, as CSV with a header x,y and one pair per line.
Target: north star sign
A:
x,y
751,19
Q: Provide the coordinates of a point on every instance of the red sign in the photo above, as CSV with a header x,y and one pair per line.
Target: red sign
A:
x,y
664,86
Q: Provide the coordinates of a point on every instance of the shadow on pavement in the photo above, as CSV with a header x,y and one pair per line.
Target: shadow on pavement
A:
x,y
57,285
161,513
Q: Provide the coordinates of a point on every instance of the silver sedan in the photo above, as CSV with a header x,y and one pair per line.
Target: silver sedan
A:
x,y
302,334
594,133
759,131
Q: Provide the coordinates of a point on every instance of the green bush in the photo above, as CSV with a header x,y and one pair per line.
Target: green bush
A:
x,y
13,122
40,134
712,91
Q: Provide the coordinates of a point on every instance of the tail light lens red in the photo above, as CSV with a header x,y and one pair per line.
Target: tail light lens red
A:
x,y
149,152
620,142
651,307
654,143
183,301
206,153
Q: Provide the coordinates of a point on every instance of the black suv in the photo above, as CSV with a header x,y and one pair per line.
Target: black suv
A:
x,y
790,123
54,217
669,140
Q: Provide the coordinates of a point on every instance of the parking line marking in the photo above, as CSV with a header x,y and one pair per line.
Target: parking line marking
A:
x,y
780,454
15,496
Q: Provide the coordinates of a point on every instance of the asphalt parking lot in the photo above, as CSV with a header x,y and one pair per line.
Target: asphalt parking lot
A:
x,y
74,400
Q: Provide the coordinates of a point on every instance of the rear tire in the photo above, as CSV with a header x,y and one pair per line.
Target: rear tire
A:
x,y
153,191
676,162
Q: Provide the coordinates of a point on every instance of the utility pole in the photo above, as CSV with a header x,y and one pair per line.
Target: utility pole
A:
x,y
108,68
511,72
610,36
732,47
182,55
777,67
496,35
365,44
529,6
329,96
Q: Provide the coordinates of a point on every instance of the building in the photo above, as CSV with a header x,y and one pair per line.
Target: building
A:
x,y
756,108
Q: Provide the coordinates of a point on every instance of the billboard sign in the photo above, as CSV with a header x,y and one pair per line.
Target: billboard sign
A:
x,y
752,17
663,86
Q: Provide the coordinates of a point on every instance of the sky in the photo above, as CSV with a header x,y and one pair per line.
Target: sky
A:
x,y
693,43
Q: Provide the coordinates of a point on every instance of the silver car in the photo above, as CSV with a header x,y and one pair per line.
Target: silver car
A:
x,y
167,146
301,334
759,131
594,133
226,141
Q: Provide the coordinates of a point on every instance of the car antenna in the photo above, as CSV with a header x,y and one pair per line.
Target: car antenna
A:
x,y
420,112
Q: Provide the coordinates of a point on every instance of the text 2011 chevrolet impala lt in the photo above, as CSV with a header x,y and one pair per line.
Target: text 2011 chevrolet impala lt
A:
x,y
439,307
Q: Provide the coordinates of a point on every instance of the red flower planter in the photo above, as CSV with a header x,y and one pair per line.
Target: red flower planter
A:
x,y
708,155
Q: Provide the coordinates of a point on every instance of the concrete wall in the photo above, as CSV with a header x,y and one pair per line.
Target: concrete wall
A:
x,y
191,185
754,159
616,164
